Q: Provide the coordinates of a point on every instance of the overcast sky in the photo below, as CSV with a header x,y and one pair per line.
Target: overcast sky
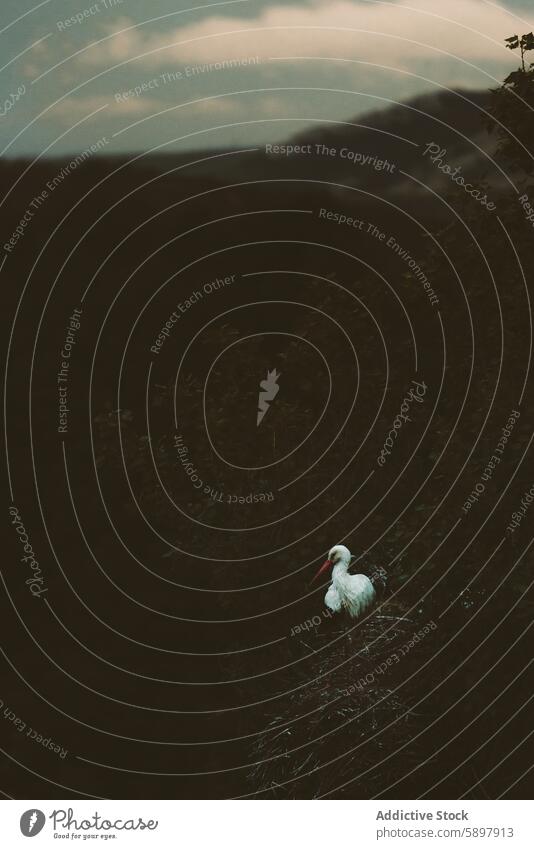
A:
x,y
300,61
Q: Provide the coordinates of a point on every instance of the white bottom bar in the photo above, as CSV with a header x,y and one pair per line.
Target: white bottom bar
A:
x,y
268,824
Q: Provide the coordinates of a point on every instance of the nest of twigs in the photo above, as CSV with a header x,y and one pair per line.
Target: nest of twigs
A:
x,y
334,735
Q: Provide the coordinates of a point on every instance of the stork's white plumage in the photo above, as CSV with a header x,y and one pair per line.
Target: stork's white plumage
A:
x,y
353,593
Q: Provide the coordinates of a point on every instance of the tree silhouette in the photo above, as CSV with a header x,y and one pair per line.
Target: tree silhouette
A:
x,y
526,42
513,110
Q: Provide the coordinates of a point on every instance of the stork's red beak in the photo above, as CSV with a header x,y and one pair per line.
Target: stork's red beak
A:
x,y
326,565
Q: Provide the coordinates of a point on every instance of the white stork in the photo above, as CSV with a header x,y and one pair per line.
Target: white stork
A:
x,y
353,593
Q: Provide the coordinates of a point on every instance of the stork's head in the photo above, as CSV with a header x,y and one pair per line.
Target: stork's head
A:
x,y
338,555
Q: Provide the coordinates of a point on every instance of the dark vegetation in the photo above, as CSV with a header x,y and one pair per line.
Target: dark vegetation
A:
x,y
442,722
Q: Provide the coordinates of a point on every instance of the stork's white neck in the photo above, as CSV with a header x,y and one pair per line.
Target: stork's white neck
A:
x,y
340,569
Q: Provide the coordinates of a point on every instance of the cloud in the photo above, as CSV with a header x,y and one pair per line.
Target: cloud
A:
x,y
72,109
392,33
